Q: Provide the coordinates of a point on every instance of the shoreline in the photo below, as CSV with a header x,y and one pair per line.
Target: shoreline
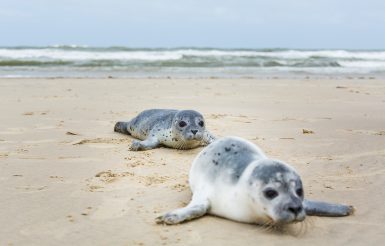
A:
x,y
256,78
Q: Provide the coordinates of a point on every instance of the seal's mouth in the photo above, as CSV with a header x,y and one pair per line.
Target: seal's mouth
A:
x,y
194,140
288,221
194,137
299,219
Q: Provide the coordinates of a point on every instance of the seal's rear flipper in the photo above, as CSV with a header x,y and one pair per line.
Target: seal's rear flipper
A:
x,y
121,127
316,208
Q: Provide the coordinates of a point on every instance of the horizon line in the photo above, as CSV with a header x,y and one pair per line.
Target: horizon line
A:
x,y
74,46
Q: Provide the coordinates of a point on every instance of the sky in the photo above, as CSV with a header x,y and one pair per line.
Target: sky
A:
x,y
305,24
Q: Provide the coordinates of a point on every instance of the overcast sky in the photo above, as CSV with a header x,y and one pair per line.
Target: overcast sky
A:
x,y
349,24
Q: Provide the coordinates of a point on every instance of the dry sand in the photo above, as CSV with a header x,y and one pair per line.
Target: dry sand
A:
x,y
67,179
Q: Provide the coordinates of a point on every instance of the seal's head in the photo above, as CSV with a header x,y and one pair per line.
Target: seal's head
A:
x,y
188,125
276,193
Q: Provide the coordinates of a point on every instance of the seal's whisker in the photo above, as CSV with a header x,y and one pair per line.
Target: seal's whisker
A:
x,y
268,226
304,226
181,146
296,229
309,222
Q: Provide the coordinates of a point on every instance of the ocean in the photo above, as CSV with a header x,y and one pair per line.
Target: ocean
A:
x,y
124,62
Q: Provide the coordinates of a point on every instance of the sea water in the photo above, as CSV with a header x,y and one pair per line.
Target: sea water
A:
x,y
83,61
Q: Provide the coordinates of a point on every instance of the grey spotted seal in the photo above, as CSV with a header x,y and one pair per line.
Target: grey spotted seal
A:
x,y
233,178
180,129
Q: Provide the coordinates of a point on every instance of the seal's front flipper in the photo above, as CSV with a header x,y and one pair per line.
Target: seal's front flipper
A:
x,y
208,138
191,211
317,208
122,127
147,144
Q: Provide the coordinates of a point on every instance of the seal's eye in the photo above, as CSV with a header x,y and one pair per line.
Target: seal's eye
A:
x,y
182,123
201,124
270,194
299,192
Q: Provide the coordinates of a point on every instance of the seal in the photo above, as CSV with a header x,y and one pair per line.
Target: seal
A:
x,y
179,129
233,178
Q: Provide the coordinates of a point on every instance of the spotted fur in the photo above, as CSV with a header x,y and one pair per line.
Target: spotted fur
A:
x,y
157,127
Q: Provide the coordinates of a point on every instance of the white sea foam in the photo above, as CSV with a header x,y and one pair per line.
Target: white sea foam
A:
x,y
162,55
71,55
75,59
363,64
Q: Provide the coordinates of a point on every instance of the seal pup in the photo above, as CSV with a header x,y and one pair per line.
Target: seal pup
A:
x,y
179,129
233,178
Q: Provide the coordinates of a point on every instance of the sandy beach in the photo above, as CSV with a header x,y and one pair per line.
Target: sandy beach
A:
x,y
67,179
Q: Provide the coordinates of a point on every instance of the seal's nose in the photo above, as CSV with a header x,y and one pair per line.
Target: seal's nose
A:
x,y
295,209
194,131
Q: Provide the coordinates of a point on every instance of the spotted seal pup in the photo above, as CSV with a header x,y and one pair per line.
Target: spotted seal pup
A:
x,y
179,129
232,178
